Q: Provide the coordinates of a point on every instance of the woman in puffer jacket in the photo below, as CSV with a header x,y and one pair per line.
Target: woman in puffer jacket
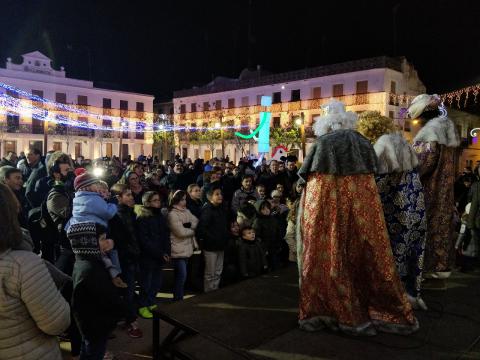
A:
x,y
182,225
32,310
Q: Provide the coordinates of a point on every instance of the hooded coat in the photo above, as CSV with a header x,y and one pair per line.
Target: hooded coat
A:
x,y
153,235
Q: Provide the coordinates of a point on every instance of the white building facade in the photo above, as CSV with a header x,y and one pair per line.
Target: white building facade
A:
x,y
35,75
384,84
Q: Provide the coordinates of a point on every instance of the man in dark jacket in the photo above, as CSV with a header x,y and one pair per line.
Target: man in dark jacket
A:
x,y
213,235
179,179
95,302
273,177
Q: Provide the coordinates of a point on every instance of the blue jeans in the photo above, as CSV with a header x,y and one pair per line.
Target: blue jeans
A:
x,y
180,269
150,283
128,276
93,349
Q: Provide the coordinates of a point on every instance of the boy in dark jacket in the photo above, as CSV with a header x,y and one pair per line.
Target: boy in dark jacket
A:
x,y
268,232
122,229
230,273
154,239
213,235
95,302
251,255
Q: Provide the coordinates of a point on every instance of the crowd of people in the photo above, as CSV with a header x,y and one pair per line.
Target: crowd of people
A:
x,y
109,229
366,218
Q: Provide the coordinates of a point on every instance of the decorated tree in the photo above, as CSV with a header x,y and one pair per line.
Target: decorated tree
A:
x,y
288,135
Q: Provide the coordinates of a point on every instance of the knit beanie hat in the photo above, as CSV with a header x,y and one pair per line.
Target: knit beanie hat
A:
x,y
84,180
79,171
84,240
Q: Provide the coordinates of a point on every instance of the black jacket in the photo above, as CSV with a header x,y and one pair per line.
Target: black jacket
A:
x,y
153,235
194,206
96,304
122,230
212,229
267,231
251,259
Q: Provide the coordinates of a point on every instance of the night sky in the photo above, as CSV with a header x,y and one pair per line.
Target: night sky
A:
x,y
179,44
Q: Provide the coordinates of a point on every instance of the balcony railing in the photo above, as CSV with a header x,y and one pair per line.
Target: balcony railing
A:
x,y
378,98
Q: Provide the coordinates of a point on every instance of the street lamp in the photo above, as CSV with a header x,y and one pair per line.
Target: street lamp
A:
x,y
300,121
218,125
123,124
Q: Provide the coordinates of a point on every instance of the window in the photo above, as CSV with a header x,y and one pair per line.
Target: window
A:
x,y
295,95
61,98
276,122
12,94
391,114
338,90
13,123
245,101
277,97
57,146
78,150
107,123
36,145
218,105
107,103
362,87
139,134
123,105
316,92
206,106
60,128
9,145
82,100
193,107
259,99
38,93
183,108
231,103
393,87
84,131
140,107
109,149
37,126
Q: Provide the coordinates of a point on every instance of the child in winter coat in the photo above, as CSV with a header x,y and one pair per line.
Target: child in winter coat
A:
x,y
96,304
182,225
230,273
268,232
90,206
154,239
251,255
240,196
213,234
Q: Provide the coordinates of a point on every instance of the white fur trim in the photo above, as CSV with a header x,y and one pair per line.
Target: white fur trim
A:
x,y
441,130
335,118
394,154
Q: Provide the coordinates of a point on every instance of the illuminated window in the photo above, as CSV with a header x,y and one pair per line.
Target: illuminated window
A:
x,y
337,90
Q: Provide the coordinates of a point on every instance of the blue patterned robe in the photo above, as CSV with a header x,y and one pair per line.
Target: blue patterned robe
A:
x,y
404,209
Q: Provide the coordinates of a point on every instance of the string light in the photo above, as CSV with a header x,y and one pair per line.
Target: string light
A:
x,y
13,105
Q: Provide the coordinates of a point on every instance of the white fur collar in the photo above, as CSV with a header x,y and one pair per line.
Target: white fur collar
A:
x,y
441,130
394,154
